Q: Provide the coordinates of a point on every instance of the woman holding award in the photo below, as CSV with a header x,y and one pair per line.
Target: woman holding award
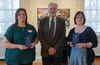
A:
x,y
81,39
19,41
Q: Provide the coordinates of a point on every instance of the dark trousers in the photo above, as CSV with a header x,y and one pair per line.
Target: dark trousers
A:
x,y
22,64
51,60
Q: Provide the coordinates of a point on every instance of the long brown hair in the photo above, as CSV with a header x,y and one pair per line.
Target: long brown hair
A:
x,y
17,13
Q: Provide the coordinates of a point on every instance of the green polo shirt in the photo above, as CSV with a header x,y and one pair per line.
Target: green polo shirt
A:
x,y
16,35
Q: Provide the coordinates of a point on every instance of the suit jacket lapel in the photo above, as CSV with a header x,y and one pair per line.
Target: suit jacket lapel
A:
x,y
47,24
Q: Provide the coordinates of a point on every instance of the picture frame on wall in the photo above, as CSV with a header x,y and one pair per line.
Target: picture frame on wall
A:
x,y
63,13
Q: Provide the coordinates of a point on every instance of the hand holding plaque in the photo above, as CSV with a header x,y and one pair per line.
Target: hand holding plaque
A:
x,y
28,38
75,38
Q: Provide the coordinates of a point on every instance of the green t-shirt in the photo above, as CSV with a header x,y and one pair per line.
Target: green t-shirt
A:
x,y
16,35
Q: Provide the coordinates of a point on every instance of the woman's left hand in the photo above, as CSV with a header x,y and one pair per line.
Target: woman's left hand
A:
x,y
89,45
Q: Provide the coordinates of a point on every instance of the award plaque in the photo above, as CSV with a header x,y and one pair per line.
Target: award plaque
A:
x,y
75,38
28,39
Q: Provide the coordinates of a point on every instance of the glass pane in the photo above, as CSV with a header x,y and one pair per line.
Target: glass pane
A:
x,y
93,15
1,4
7,15
3,27
98,15
87,14
15,4
8,4
93,4
98,4
93,25
98,26
98,30
1,14
88,20
87,4
13,15
87,23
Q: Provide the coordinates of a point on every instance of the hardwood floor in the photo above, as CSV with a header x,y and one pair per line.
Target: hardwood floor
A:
x,y
97,62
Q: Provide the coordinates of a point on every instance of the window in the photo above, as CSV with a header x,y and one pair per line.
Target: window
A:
x,y
7,13
92,12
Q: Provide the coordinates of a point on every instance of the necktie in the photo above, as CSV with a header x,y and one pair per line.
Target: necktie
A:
x,y
52,28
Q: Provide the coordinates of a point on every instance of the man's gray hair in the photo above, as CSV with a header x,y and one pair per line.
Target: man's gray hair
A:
x,y
53,3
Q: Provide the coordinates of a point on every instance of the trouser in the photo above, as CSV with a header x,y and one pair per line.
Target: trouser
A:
x,y
51,60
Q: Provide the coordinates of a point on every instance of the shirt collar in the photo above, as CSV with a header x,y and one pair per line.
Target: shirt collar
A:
x,y
50,18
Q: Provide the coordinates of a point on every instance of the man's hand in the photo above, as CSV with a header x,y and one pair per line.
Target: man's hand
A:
x,y
51,51
70,43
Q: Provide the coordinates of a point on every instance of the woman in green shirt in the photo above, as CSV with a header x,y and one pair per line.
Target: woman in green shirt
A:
x,y
19,41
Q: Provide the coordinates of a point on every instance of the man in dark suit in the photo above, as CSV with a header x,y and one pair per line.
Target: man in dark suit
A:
x,y
51,35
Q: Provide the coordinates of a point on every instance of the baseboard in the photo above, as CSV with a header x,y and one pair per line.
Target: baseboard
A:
x,y
97,56
2,59
38,59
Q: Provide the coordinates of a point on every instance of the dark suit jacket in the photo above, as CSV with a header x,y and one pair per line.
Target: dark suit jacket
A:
x,y
47,41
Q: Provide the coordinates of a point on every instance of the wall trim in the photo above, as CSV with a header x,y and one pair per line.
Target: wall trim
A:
x,y
97,56
2,59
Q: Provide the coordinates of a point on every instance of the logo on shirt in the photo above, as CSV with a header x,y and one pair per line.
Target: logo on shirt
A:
x,y
30,30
